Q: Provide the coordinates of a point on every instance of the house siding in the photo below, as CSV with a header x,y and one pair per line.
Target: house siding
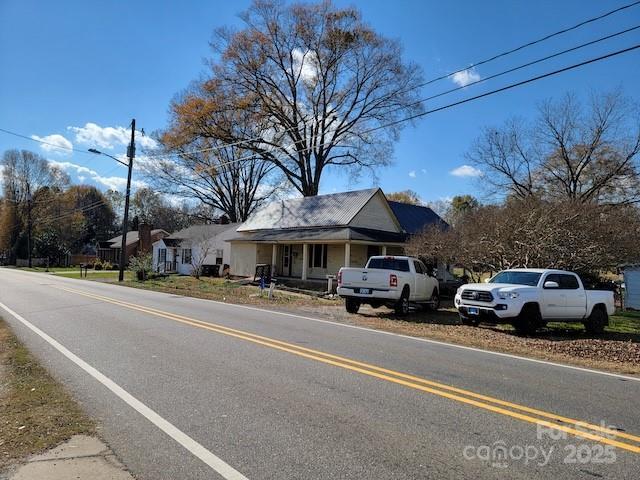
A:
x,y
243,258
375,215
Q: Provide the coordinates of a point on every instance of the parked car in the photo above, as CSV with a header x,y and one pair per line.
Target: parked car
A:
x,y
396,282
529,298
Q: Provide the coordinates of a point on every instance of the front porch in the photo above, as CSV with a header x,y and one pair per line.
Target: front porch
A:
x,y
314,261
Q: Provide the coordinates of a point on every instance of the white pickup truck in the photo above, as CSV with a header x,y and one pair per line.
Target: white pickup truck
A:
x,y
529,298
396,282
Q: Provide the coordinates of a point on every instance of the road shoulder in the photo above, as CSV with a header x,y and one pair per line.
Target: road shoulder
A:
x,y
44,434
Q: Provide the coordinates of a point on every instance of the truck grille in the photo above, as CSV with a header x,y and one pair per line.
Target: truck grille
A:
x,y
477,296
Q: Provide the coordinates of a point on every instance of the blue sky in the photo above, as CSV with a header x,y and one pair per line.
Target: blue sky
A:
x,y
83,69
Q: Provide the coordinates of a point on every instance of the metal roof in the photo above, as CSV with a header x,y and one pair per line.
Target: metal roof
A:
x,y
337,209
414,218
198,231
320,235
132,237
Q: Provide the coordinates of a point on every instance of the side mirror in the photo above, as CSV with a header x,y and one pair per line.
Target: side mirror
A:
x,y
551,284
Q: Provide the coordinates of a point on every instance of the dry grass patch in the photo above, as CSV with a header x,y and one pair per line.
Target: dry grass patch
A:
x,y
36,413
225,291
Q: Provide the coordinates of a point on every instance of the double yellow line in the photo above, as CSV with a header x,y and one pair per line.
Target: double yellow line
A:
x,y
597,433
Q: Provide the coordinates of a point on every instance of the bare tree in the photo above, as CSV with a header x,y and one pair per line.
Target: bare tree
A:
x,y
571,152
537,233
200,248
317,84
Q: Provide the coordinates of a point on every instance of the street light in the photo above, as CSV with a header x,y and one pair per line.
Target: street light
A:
x,y
131,153
98,152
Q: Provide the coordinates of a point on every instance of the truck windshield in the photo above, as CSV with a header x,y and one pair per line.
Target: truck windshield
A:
x,y
517,278
389,263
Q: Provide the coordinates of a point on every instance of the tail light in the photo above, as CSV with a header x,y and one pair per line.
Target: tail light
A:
x,y
339,278
393,280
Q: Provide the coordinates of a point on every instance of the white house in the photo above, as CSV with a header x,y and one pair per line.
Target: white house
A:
x,y
312,237
205,244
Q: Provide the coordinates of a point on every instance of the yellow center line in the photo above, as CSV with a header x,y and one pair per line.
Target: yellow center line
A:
x,y
400,378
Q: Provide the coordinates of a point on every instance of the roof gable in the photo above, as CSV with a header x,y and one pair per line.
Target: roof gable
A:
x,y
332,210
415,218
199,231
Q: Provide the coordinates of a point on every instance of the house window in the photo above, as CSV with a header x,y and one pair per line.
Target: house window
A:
x,y
162,256
186,256
219,254
318,256
286,255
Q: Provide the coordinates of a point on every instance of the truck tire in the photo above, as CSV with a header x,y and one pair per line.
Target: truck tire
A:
x,y
597,321
402,305
434,301
352,305
529,320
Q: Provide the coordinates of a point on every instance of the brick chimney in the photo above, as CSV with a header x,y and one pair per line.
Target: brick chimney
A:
x,y
144,235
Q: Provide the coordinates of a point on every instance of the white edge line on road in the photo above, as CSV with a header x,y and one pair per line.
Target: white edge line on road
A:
x,y
382,332
216,463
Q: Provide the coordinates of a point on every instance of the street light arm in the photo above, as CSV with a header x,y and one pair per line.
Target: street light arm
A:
x,y
98,152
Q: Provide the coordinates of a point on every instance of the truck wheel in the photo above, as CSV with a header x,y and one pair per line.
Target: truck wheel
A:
x,y
528,321
352,305
434,301
597,321
402,306
472,322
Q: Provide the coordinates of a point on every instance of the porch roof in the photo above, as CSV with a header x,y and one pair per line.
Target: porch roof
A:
x,y
336,234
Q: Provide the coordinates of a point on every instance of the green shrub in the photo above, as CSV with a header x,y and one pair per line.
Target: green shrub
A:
x,y
97,265
141,265
107,265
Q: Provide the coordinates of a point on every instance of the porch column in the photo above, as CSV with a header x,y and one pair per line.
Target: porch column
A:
x,y
305,260
347,254
274,258
383,251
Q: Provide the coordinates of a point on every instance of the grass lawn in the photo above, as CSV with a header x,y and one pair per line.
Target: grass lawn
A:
x,y
223,291
36,412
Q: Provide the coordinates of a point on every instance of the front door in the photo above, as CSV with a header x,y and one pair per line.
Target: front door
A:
x,y
554,300
286,260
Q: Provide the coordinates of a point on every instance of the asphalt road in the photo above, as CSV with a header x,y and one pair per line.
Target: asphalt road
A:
x,y
192,389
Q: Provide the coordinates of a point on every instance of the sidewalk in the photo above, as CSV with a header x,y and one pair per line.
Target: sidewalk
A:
x,y
81,458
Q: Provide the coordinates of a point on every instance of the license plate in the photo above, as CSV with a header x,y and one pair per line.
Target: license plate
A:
x,y
474,311
366,291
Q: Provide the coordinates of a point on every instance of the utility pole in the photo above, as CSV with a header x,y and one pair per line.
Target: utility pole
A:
x,y
29,225
131,153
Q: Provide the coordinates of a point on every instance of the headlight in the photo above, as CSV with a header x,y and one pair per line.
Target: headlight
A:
x,y
505,295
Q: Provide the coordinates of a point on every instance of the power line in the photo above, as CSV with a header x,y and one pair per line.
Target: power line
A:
x,y
533,42
520,67
71,149
473,65
460,102
428,82
508,87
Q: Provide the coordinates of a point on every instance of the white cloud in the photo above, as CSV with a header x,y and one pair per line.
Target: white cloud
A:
x,y
54,143
465,77
112,182
93,135
306,64
412,174
465,171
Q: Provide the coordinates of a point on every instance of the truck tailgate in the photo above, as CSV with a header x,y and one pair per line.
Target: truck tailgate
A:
x,y
373,279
